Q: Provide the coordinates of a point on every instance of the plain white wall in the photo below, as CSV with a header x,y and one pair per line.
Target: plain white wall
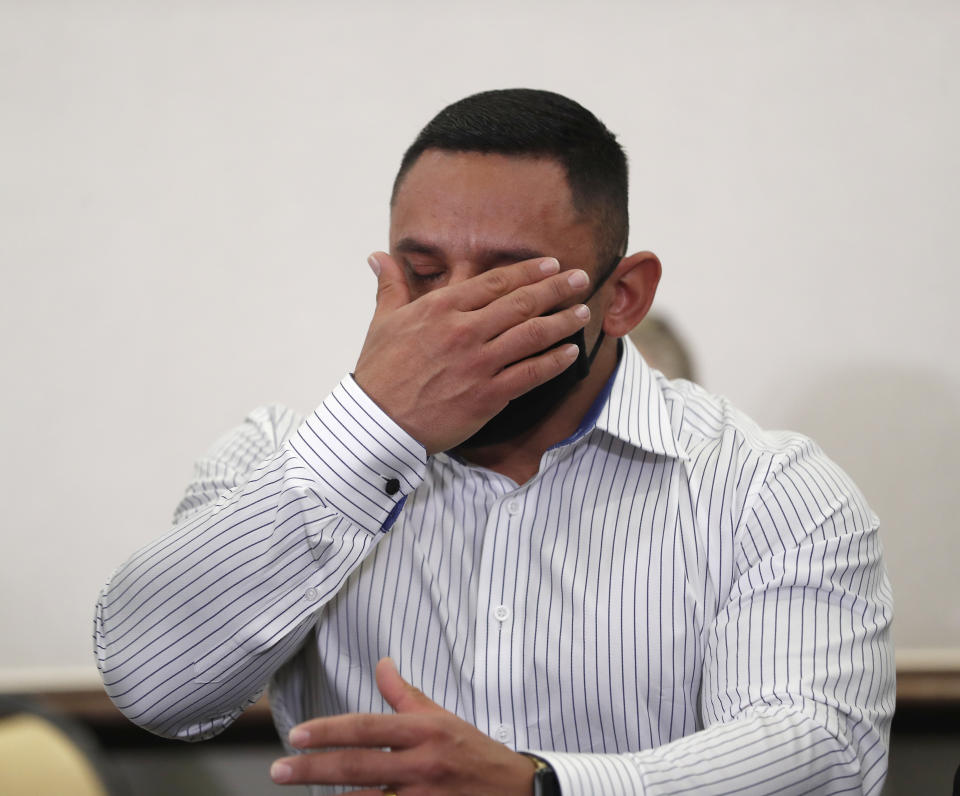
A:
x,y
189,190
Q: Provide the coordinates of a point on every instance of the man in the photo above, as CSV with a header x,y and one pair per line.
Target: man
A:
x,y
586,578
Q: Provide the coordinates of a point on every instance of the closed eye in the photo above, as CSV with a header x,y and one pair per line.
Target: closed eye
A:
x,y
426,273
434,276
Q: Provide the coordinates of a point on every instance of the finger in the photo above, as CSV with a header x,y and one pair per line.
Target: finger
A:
x,y
530,301
358,729
523,376
496,282
536,335
400,695
392,289
343,767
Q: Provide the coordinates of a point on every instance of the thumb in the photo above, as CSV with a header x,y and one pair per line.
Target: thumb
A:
x,y
392,289
402,696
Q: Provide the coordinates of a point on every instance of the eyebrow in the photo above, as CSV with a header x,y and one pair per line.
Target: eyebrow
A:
x,y
487,256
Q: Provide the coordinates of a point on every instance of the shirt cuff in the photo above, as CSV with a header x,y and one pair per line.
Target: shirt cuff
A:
x,y
364,462
579,772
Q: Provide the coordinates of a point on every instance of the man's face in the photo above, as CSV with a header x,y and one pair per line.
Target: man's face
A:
x,y
457,214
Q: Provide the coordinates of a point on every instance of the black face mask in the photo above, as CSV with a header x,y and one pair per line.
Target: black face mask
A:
x,y
528,409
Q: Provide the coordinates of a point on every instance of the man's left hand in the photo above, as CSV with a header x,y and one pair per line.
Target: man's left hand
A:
x,y
420,750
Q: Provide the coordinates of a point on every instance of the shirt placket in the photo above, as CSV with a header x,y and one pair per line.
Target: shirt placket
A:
x,y
497,606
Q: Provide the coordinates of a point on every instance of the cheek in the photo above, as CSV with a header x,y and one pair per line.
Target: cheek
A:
x,y
599,308
415,288
419,288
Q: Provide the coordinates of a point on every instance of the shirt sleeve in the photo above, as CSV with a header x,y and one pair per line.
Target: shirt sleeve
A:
x,y
798,677
189,630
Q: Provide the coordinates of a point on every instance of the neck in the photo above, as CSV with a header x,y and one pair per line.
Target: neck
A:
x,y
519,458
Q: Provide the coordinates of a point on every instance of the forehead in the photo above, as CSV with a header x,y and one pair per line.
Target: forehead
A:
x,y
463,201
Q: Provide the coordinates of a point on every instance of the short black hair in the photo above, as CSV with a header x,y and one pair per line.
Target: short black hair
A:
x,y
540,124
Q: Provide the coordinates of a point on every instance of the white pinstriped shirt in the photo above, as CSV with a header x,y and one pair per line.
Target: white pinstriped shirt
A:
x,y
677,603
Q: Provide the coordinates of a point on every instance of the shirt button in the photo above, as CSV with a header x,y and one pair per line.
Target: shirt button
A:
x,y
514,507
501,613
502,733
311,594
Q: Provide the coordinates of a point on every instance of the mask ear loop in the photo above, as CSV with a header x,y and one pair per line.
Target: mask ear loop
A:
x,y
596,346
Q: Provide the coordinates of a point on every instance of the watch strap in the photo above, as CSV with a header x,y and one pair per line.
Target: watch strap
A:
x,y
545,782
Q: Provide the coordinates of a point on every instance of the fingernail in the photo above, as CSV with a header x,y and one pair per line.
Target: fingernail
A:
x,y
374,264
571,351
280,772
550,266
578,278
299,737
582,311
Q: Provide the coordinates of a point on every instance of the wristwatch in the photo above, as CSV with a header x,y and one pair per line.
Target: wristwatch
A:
x,y
545,782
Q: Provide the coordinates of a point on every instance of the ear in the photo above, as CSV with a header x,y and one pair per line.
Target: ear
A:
x,y
634,285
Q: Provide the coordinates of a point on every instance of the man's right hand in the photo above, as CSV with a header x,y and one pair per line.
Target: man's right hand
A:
x,y
444,364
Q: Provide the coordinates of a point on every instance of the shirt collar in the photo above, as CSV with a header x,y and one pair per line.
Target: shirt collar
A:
x,y
633,408
630,406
